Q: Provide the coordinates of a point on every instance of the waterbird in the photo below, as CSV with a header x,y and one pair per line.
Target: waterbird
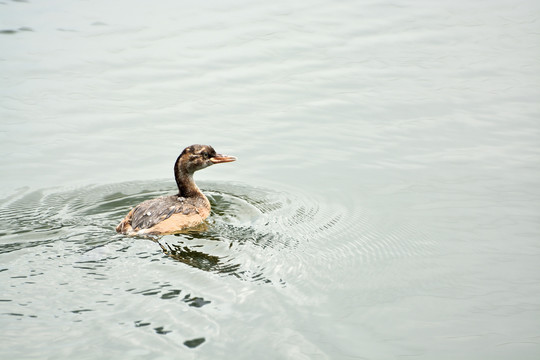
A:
x,y
174,213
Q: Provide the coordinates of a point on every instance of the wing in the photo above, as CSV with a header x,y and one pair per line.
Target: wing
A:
x,y
151,212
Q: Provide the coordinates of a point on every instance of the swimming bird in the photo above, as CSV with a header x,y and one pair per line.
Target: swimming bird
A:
x,y
188,208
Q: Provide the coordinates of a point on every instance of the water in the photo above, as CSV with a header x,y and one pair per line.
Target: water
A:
x,y
384,204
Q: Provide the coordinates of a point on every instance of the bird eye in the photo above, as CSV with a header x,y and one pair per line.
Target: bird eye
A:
x,y
205,155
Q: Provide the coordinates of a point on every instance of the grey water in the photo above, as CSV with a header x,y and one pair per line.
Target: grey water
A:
x,y
385,203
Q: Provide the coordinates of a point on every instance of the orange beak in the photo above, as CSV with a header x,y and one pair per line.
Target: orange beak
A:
x,y
218,158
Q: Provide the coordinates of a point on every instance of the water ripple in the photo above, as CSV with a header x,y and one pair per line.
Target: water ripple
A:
x,y
254,234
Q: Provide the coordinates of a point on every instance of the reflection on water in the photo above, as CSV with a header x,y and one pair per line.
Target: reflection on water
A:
x,y
197,259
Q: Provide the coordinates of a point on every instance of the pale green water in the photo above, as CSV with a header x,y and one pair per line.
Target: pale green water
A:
x,y
385,203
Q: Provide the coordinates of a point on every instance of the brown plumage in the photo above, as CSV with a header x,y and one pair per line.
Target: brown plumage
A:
x,y
188,208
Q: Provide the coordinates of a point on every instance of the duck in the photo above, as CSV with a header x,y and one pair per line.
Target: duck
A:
x,y
175,213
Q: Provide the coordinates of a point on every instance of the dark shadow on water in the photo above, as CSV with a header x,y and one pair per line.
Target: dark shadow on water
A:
x,y
194,342
11,31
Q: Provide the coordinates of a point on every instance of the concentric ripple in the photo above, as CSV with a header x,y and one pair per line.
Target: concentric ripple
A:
x,y
253,234
249,235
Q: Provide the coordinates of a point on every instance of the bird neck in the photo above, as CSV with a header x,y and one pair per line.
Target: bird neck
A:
x,y
187,187
184,180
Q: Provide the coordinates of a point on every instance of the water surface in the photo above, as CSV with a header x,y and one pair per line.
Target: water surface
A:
x,y
384,204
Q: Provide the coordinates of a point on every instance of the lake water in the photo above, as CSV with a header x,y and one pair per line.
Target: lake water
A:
x,y
385,202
